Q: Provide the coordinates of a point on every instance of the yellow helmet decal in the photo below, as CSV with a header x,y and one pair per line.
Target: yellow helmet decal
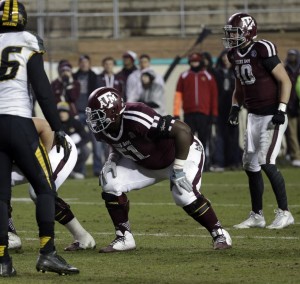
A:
x,y
10,8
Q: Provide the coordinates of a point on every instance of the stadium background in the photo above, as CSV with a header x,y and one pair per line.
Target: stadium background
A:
x,y
162,29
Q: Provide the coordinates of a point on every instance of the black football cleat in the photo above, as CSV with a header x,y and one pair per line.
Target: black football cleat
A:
x,y
52,262
7,269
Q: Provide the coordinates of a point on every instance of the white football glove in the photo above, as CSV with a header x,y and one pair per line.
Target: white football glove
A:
x,y
179,179
109,166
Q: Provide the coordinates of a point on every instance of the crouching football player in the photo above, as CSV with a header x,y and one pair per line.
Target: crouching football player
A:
x,y
61,170
146,149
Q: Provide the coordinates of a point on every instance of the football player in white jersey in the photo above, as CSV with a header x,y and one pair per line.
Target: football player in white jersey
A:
x,y
22,65
63,214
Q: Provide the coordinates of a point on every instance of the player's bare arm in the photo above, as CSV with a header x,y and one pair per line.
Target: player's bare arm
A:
x,y
45,132
284,81
183,136
237,96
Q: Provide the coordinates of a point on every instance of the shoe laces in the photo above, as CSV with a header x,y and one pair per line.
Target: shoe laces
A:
x,y
278,213
117,240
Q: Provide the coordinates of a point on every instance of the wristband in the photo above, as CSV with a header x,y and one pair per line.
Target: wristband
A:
x,y
282,107
178,164
236,105
113,157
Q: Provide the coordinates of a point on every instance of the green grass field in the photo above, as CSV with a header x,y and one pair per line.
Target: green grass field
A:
x,y
171,247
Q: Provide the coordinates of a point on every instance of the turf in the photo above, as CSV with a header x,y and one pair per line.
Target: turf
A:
x,y
171,247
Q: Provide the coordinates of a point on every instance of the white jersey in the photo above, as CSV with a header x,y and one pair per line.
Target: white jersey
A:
x,y
16,48
62,171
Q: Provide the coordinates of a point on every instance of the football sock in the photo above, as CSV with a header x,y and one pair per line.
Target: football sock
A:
x,y
11,227
278,185
45,211
202,212
77,231
3,232
63,213
46,244
256,187
118,209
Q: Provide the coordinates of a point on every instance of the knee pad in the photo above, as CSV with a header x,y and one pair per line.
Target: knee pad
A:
x,y
63,213
198,207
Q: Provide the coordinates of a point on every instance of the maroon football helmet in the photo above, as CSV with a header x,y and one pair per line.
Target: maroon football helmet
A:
x,y
104,105
241,28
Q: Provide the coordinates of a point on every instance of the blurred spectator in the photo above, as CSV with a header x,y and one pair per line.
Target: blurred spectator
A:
x,y
208,62
133,85
152,93
292,66
129,66
65,87
79,135
108,78
226,145
88,83
197,93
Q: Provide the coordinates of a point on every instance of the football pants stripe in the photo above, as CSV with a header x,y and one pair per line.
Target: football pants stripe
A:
x,y
43,159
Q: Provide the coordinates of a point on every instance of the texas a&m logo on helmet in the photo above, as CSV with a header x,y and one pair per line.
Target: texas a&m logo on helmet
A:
x,y
104,105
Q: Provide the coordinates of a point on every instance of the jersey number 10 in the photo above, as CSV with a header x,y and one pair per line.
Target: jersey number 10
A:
x,y
244,73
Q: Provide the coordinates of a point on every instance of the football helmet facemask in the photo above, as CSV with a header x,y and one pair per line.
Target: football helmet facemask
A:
x,y
241,28
12,15
104,106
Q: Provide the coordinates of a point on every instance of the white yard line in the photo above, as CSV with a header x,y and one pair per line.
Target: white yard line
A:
x,y
166,235
74,201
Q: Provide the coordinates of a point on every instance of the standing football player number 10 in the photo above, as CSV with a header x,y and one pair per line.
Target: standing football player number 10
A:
x,y
263,87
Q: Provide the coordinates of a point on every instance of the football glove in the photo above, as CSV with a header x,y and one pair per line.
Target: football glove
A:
x,y
233,119
178,178
61,141
109,166
279,117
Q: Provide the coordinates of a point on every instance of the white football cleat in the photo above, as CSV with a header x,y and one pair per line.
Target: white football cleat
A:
x,y
221,239
254,221
85,243
122,242
283,218
14,241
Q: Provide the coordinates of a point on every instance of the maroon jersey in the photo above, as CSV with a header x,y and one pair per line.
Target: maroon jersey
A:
x,y
260,88
140,138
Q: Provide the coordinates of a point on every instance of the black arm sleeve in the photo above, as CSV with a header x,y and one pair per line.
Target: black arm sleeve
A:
x,y
42,90
271,62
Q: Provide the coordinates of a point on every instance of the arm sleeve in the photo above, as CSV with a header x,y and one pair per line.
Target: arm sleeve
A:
x,y
42,89
271,62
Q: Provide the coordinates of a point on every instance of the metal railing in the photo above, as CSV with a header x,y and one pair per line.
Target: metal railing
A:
x,y
69,15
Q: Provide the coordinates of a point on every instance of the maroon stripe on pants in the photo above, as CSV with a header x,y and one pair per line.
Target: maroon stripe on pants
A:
x,y
273,143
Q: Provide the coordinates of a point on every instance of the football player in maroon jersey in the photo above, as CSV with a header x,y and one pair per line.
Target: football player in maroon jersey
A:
x,y
264,87
148,148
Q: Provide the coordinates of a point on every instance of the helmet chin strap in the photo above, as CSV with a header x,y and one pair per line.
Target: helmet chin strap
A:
x,y
115,135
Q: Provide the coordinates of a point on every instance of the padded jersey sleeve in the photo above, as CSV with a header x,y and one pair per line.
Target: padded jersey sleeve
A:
x,y
268,52
34,42
42,90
